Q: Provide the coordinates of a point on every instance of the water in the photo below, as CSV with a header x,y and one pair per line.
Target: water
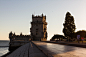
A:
x,y
4,47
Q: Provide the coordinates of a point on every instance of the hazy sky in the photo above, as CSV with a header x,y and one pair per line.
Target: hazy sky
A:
x,y
16,15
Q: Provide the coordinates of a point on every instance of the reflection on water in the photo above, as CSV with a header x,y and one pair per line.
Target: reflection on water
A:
x,y
3,50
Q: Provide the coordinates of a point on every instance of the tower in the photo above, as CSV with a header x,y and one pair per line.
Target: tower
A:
x,y
39,28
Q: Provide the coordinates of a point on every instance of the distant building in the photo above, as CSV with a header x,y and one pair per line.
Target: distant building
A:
x,y
20,37
17,40
57,37
39,28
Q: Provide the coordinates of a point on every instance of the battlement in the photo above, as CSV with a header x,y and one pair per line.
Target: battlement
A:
x,y
37,16
21,37
13,34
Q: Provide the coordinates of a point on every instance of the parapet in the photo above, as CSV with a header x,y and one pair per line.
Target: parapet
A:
x,y
37,16
14,35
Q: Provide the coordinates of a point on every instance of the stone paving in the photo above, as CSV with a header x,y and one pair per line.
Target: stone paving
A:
x,y
68,43
22,51
27,50
56,50
35,52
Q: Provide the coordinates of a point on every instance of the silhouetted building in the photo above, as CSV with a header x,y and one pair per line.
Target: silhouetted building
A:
x,y
57,37
20,37
17,40
39,28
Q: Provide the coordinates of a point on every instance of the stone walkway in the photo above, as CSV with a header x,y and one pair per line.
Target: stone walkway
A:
x,y
68,43
27,50
22,51
35,52
56,50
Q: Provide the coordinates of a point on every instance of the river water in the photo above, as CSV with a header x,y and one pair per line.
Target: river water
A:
x,y
4,45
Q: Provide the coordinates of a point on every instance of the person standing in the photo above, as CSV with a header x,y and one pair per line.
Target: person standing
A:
x,y
82,39
78,37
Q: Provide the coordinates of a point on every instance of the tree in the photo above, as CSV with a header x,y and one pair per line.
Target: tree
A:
x,y
69,25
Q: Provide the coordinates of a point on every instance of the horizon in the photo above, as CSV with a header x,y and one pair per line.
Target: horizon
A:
x,y
16,15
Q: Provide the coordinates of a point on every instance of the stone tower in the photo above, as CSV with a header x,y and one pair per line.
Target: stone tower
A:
x,y
38,28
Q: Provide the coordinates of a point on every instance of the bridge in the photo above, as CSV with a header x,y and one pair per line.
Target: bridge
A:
x,y
46,49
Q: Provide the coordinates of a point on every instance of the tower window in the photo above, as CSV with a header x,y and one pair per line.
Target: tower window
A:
x,y
36,33
36,29
36,24
37,21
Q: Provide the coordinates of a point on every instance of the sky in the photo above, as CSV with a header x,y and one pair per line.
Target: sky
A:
x,y
16,15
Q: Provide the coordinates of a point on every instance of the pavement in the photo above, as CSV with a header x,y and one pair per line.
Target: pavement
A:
x,y
35,52
50,49
57,50
68,43
27,50
22,51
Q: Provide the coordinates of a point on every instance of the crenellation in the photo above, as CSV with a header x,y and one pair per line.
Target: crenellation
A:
x,y
37,16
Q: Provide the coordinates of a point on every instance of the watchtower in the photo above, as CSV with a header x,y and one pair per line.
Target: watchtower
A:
x,y
39,28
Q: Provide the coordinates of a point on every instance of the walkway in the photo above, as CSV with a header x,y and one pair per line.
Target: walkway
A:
x,y
21,51
27,50
56,50
68,43
35,52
